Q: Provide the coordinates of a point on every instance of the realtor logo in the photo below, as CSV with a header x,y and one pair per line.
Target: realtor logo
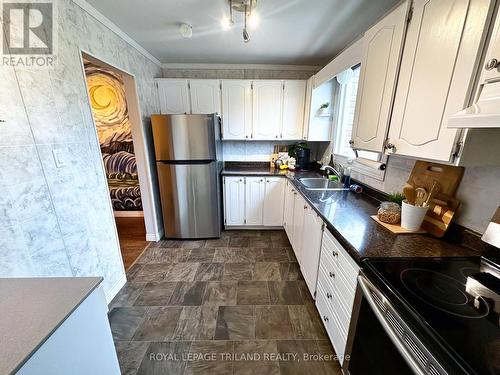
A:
x,y
28,29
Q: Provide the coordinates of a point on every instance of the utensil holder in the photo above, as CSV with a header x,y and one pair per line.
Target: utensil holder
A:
x,y
412,217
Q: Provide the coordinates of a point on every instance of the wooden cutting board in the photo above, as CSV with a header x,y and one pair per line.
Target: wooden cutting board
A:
x,y
444,205
396,228
424,174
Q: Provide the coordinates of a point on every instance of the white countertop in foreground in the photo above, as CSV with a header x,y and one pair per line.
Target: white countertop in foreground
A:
x,y
31,309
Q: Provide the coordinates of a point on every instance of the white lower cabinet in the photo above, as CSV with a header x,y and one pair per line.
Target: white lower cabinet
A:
x,y
288,210
312,233
337,280
274,201
234,200
298,220
253,201
255,194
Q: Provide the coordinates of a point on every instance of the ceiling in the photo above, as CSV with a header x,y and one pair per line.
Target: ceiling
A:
x,y
292,32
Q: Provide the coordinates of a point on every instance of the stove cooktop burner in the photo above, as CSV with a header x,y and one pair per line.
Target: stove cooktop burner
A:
x,y
443,293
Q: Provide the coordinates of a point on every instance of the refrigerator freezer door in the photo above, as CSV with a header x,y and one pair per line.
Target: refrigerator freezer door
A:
x,y
190,200
184,137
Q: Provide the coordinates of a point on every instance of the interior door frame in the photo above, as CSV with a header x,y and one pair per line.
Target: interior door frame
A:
x,y
154,228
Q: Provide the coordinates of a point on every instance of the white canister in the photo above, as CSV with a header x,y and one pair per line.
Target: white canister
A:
x,y
412,217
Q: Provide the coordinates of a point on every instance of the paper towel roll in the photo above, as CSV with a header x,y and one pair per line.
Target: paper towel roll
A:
x,y
371,164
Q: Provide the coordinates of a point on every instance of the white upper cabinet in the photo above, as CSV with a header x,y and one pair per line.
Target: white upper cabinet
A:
x,y
174,96
294,93
491,68
255,192
234,200
205,96
311,247
382,46
274,201
266,114
438,67
236,109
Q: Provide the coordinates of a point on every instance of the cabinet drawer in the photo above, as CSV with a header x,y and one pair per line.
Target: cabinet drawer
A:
x,y
335,302
331,324
340,258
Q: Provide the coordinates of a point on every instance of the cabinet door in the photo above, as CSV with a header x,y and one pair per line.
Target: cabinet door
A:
x,y
174,96
234,200
236,109
294,94
274,201
311,247
288,216
442,48
298,218
255,190
493,52
382,46
205,96
266,113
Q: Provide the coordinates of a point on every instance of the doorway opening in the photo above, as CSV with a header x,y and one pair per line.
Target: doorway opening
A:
x,y
113,101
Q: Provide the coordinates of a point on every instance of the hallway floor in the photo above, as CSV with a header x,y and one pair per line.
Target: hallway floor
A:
x,y
235,305
132,236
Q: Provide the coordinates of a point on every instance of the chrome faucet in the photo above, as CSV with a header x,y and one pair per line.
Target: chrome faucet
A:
x,y
331,169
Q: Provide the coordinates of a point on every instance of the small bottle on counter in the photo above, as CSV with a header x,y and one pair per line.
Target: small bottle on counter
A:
x,y
347,175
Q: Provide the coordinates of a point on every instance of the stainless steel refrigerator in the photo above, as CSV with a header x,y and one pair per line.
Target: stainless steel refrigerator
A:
x,y
188,149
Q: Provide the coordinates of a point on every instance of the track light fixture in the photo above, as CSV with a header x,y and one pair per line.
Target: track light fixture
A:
x,y
247,7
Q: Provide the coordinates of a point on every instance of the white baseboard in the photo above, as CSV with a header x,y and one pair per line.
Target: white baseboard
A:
x,y
128,213
155,236
115,288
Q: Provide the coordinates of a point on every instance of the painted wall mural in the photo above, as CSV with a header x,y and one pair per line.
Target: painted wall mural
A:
x,y
109,107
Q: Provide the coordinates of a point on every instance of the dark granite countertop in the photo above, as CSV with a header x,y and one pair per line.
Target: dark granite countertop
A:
x,y
347,216
253,171
32,309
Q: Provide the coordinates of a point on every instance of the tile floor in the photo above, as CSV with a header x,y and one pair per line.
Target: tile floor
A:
x,y
235,305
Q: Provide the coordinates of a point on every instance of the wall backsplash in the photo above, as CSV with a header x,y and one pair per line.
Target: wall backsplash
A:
x,y
58,221
479,192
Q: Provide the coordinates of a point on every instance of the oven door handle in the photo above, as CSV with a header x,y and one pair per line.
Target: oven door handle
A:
x,y
367,287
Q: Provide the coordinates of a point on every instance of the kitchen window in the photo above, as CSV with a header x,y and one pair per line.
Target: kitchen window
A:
x,y
346,92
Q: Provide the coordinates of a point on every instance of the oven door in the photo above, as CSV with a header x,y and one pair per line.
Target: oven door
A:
x,y
381,342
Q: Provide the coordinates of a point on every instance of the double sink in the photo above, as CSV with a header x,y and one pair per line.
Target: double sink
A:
x,y
318,183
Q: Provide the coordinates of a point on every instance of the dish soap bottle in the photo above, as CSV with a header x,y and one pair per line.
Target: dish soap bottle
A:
x,y
347,174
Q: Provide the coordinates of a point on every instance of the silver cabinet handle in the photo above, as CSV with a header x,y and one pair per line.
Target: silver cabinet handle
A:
x,y
492,64
332,275
325,318
328,295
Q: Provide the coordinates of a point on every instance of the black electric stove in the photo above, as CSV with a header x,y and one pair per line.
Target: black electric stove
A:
x,y
452,305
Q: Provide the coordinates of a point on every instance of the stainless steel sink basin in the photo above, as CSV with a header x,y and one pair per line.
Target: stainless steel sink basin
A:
x,y
318,183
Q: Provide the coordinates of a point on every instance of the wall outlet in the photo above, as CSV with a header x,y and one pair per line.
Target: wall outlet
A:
x,y
58,158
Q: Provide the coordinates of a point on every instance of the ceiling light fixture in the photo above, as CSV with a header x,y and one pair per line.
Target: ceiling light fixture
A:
x,y
247,7
246,37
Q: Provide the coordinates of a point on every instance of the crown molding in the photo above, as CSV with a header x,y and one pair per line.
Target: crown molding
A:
x,y
309,68
113,27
